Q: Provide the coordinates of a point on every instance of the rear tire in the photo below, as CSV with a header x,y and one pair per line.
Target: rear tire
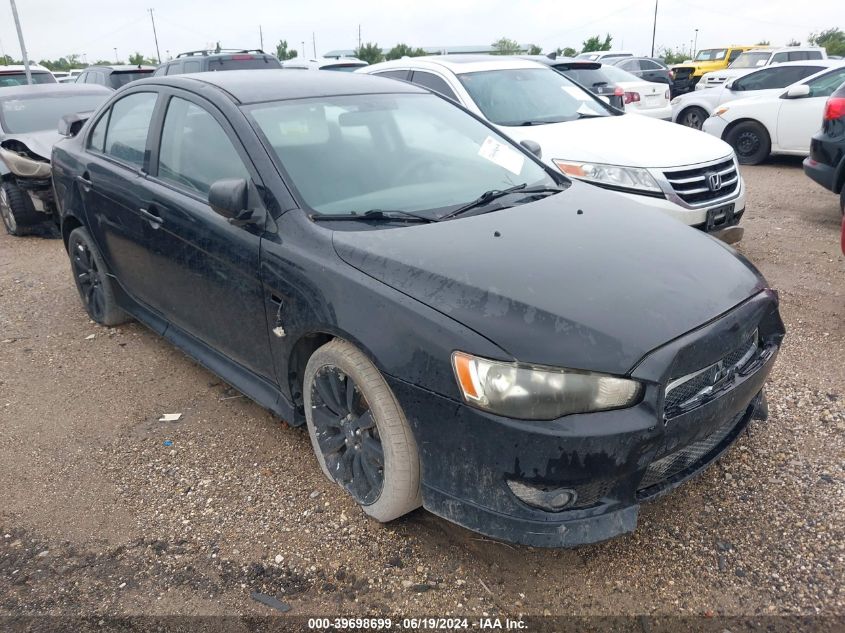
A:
x,y
92,280
359,433
693,117
750,141
18,213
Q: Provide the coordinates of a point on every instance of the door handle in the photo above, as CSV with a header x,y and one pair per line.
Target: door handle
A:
x,y
86,184
152,217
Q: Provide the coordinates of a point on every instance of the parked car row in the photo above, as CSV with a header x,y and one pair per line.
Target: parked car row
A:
x,y
516,344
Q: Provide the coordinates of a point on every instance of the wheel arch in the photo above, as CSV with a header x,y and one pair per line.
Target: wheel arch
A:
x,y
747,119
69,223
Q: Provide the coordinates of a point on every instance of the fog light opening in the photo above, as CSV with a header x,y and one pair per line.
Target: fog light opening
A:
x,y
543,496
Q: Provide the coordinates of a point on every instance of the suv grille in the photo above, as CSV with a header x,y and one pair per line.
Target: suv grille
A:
x,y
689,391
689,458
703,184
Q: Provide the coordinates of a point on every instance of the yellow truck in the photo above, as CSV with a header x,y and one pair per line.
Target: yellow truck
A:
x,y
686,75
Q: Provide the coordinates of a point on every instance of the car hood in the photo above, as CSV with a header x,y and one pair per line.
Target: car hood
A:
x,y
627,140
39,143
585,279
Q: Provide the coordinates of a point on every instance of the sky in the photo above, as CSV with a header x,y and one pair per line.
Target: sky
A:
x,y
94,28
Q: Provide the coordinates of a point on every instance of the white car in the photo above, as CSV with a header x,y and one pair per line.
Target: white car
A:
x,y
759,58
693,108
343,64
640,96
684,173
782,123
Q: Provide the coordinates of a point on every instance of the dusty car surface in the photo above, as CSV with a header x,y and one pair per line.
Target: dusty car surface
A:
x,y
459,326
29,118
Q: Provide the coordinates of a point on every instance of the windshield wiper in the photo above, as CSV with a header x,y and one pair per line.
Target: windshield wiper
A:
x,y
489,196
377,215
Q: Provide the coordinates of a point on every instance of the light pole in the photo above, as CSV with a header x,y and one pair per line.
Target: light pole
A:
x,y
695,47
654,28
115,54
23,46
155,35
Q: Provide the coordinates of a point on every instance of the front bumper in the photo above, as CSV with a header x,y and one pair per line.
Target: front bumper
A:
x,y
468,455
715,125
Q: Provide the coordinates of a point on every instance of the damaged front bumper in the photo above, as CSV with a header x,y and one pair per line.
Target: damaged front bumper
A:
x,y
608,462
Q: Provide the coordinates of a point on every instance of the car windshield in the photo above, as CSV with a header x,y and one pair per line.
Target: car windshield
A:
x,y
121,78
617,75
751,60
9,79
711,55
411,153
34,114
529,96
591,56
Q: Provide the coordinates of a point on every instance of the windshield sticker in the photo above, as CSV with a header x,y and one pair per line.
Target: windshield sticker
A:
x,y
502,155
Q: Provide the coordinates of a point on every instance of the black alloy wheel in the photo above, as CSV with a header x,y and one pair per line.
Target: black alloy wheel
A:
x,y
347,434
89,280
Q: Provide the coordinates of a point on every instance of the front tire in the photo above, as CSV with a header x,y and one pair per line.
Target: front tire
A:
x,y
92,280
750,141
359,433
18,213
693,117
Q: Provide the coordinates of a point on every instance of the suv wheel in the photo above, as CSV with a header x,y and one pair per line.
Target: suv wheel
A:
x,y
750,141
92,281
17,210
693,117
359,433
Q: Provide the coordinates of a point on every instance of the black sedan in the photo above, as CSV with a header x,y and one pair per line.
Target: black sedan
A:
x,y
826,162
458,326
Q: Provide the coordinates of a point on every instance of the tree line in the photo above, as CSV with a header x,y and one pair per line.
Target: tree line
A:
x,y
832,40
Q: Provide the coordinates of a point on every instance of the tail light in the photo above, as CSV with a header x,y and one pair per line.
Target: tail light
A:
x,y
667,95
834,109
618,92
632,97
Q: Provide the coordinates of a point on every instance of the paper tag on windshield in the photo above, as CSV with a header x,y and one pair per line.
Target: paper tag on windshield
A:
x,y
502,155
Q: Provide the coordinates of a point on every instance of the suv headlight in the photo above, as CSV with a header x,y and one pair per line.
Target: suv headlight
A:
x,y
613,176
539,393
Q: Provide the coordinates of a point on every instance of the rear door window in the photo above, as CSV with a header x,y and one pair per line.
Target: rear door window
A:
x,y
779,58
433,82
195,150
192,66
128,127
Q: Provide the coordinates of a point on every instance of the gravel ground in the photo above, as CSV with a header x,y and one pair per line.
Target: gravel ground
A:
x,y
99,516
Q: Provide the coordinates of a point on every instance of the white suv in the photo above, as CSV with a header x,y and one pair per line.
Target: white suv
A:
x,y
688,175
758,58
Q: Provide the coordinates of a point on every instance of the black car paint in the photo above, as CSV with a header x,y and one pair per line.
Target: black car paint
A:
x,y
826,162
227,287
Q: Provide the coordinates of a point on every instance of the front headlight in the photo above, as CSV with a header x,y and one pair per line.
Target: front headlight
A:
x,y
538,393
23,166
610,175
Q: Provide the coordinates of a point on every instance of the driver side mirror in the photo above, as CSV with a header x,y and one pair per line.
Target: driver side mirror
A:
x,y
533,147
70,124
229,197
729,85
797,92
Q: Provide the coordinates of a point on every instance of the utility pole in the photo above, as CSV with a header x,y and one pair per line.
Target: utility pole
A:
x,y
695,46
23,46
314,43
654,28
359,37
261,37
115,55
304,52
155,35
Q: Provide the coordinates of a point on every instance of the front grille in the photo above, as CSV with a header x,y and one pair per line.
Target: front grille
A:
x,y
693,186
590,494
686,392
682,73
690,458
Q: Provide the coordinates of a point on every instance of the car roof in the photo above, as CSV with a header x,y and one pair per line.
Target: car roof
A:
x,y
251,86
36,68
458,64
123,67
50,90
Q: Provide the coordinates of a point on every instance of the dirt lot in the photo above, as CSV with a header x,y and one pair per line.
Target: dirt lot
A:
x,y
99,516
